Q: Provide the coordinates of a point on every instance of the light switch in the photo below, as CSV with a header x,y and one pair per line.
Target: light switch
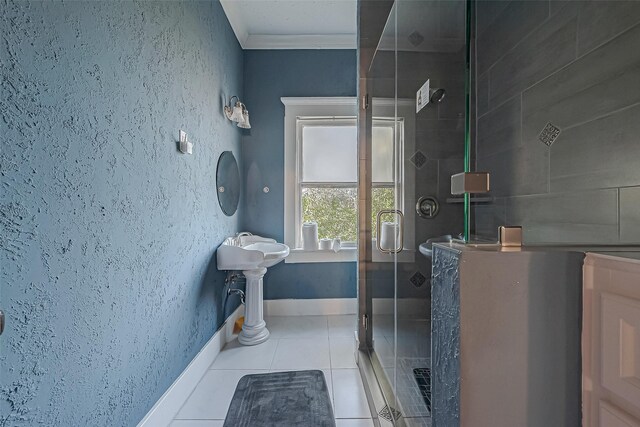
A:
x,y
186,147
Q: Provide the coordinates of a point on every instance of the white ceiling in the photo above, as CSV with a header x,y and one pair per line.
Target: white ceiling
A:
x,y
293,24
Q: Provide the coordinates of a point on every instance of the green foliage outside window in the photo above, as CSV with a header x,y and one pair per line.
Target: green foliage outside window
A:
x,y
381,198
336,210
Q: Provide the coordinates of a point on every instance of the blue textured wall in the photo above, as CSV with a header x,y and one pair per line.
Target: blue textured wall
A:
x,y
108,232
268,76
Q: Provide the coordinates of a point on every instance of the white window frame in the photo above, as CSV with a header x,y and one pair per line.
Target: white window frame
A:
x,y
301,123
307,107
341,107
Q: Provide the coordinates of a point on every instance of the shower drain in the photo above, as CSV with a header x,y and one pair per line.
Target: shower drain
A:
x,y
423,379
388,412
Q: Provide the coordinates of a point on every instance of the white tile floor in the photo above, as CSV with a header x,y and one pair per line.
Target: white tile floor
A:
x,y
296,343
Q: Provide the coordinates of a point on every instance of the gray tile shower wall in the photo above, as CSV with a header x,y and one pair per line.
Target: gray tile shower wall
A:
x,y
574,65
630,214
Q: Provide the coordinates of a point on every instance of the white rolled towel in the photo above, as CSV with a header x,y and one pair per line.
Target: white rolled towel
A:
x,y
389,235
310,236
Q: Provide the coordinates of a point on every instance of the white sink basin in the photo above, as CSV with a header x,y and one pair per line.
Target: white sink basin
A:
x,y
250,253
426,248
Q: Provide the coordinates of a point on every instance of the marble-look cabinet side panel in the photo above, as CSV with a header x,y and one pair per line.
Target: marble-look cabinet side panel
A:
x,y
445,335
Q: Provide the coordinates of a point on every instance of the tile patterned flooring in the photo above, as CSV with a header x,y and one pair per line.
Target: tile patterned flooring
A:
x,y
296,343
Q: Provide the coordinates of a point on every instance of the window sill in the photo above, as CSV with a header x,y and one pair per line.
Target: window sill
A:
x,y
348,254
301,256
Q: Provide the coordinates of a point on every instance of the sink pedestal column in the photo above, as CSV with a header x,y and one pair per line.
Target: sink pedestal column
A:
x,y
254,329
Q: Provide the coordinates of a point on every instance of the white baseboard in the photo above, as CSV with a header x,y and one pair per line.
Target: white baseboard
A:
x,y
172,400
310,307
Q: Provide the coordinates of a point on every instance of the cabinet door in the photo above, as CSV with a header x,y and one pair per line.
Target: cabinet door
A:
x,y
613,417
620,346
611,342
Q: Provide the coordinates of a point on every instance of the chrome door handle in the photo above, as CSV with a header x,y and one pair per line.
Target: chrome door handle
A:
x,y
379,230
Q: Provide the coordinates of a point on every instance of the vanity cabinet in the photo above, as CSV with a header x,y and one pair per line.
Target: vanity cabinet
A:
x,y
505,336
611,341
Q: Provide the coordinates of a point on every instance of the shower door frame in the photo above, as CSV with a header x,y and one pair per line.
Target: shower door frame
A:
x,y
365,58
377,388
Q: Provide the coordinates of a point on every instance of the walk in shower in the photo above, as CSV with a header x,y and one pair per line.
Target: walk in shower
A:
x,y
423,48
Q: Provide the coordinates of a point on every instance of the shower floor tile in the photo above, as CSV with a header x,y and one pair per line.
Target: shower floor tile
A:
x,y
413,350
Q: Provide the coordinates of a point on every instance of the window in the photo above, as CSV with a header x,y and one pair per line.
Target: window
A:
x,y
327,177
321,161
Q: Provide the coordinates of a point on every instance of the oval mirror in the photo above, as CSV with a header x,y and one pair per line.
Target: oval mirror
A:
x,y
228,183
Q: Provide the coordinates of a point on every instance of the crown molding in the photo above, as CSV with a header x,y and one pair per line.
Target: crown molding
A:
x,y
234,16
333,100
248,40
299,41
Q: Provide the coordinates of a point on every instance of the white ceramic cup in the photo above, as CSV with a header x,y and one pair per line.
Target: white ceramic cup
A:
x,y
325,244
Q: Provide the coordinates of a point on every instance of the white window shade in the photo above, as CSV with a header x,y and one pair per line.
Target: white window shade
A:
x,y
329,154
382,150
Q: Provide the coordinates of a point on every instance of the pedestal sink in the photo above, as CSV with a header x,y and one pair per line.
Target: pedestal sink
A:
x,y
252,255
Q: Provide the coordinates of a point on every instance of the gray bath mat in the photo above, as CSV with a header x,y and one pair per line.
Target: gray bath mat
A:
x,y
281,399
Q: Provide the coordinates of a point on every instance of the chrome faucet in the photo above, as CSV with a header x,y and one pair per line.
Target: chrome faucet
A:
x,y
236,240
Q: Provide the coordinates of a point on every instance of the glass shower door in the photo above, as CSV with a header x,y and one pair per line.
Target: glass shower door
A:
x,y
415,148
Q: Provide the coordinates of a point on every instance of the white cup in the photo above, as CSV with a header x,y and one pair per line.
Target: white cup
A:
x,y
325,244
